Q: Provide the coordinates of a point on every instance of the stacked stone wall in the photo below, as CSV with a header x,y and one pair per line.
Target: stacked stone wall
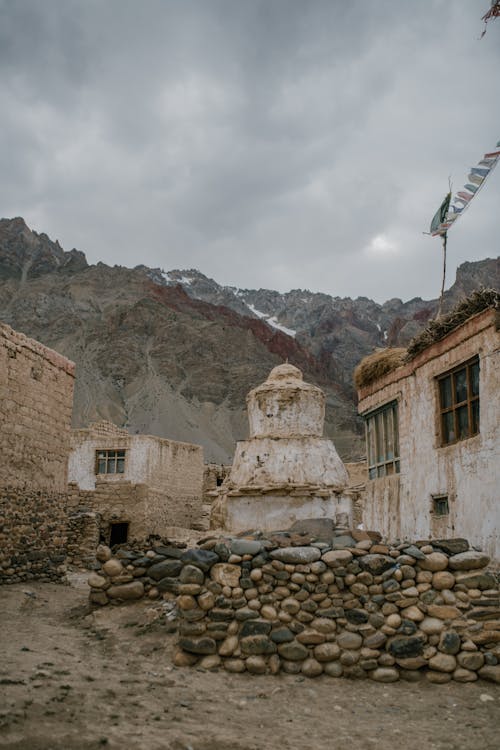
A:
x,y
353,607
33,534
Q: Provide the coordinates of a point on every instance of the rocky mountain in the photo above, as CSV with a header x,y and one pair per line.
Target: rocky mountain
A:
x,y
174,353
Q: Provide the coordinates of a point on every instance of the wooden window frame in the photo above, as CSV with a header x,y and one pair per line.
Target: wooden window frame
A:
x,y
111,458
456,405
377,427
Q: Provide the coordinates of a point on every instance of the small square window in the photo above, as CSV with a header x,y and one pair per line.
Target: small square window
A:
x,y
440,506
110,462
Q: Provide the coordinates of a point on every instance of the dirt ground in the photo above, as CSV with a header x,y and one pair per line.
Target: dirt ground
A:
x,y
70,680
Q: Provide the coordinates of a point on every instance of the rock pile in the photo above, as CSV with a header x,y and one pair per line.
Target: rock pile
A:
x,y
346,605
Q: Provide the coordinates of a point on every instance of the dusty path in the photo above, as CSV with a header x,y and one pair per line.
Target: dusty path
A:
x,y
74,681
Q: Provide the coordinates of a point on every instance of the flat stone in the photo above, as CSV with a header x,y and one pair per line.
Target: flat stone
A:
x,y
170,568
321,529
482,581
451,546
376,564
126,591
168,584
412,662
443,611
470,560
202,645
282,635
96,581
464,675
376,640
434,561
443,663
168,550
414,551
255,627
356,616
348,640
245,547
293,651
310,637
184,659
201,558
226,574
438,678
191,574
210,662
229,646
385,674
490,673
337,558
296,555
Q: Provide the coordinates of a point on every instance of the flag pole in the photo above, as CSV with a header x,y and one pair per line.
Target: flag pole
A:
x,y
445,242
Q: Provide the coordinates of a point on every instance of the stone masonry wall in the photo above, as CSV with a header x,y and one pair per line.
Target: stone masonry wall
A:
x,y
36,398
350,606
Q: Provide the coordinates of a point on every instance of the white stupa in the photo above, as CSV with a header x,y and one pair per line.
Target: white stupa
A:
x,y
286,471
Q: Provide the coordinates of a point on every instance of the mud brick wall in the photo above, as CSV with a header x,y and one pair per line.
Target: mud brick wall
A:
x,y
36,401
36,398
349,608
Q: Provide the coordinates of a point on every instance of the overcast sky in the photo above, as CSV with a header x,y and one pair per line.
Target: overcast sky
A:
x,y
268,143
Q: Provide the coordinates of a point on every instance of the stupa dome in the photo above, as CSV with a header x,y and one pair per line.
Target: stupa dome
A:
x,y
285,406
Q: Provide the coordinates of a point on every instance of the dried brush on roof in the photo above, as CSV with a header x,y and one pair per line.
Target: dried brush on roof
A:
x,y
376,365
480,300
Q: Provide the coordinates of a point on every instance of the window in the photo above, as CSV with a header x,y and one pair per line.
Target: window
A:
x,y
118,533
459,402
440,505
383,441
110,462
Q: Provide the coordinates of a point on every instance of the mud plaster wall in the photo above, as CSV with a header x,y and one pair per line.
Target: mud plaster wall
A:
x,y
161,487
466,472
36,395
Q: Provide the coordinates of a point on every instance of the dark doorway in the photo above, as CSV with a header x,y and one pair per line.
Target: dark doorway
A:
x,y
118,533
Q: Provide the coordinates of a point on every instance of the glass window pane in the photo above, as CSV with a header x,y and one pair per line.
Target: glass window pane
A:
x,y
101,466
460,379
389,434
101,454
389,469
380,438
475,417
372,473
445,390
371,441
111,467
120,454
120,466
111,454
463,422
448,428
397,467
381,471
474,378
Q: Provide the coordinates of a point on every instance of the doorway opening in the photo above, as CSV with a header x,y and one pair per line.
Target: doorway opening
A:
x,y
118,533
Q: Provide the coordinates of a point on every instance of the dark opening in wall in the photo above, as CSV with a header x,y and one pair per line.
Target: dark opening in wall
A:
x,y
118,533
440,506
219,481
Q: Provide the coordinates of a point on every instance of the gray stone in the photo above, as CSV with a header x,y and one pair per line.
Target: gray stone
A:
x,y
168,568
451,546
356,616
281,635
296,555
449,643
471,660
203,645
169,551
470,560
376,564
482,581
255,627
256,665
414,551
293,651
311,668
245,547
168,584
443,663
385,674
406,646
222,550
257,644
201,558
349,640
341,542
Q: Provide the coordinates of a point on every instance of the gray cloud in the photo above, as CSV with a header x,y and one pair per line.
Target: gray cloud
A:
x,y
273,143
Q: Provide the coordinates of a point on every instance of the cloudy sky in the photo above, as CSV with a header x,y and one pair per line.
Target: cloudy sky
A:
x,y
268,143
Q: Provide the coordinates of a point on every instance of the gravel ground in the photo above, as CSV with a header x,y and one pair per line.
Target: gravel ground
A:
x,y
74,680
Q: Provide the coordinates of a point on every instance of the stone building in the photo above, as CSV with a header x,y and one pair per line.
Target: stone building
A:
x,y
433,436
286,471
136,485
36,399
